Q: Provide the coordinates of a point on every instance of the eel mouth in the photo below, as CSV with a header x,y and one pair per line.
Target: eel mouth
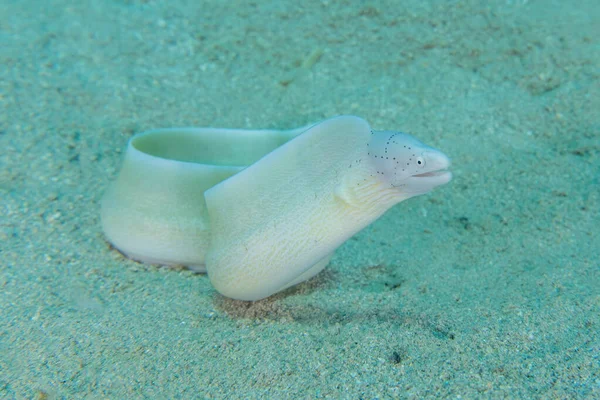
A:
x,y
431,174
438,174
433,178
434,174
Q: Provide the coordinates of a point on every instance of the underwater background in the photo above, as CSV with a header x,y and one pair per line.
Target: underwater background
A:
x,y
489,287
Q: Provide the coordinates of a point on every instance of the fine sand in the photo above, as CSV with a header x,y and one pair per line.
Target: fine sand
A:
x,y
486,288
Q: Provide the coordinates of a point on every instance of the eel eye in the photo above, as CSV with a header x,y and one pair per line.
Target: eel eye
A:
x,y
420,162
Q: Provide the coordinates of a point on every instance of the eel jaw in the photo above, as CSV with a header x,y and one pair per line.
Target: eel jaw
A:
x,y
436,174
434,178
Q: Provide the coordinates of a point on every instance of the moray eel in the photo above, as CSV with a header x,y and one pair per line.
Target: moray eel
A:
x,y
261,210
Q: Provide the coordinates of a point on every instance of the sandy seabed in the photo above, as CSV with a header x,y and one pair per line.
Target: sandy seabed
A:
x,y
486,288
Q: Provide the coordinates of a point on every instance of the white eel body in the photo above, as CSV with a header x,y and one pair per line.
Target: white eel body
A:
x,y
261,228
